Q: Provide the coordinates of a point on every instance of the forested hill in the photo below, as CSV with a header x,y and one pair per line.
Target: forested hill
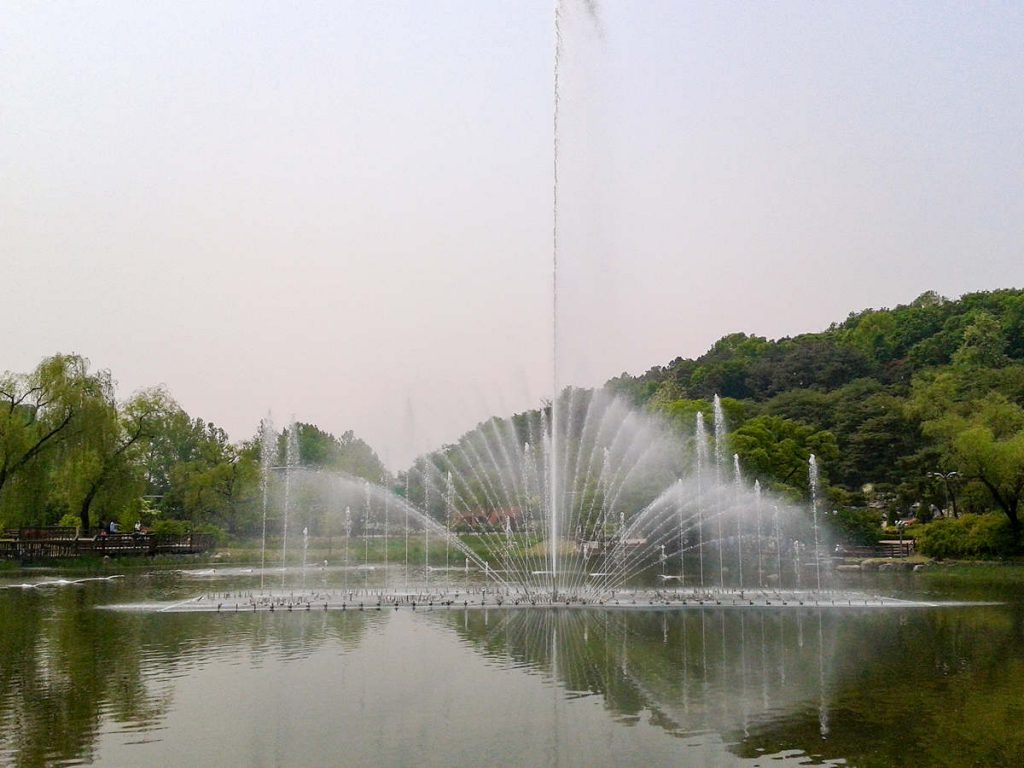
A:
x,y
885,345
888,397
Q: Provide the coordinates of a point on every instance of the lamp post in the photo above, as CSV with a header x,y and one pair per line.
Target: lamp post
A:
x,y
946,477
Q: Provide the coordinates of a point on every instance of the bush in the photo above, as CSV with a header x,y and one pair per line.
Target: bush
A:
x,y
170,527
971,536
69,521
184,528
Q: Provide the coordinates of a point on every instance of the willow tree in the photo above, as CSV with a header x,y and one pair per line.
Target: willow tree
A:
x,y
101,460
39,412
984,441
995,458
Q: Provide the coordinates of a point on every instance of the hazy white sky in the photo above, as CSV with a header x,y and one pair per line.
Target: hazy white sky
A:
x,y
342,210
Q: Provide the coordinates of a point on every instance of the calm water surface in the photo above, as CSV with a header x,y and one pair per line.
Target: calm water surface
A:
x,y
695,687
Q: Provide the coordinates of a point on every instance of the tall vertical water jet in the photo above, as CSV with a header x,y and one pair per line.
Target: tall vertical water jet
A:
x,y
407,507
701,438
681,532
560,493
508,544
449,498
268,452
426,528
812,472
778,541
305,553
366,532
553,504
720,427
798,564
348,543
387,499
719,423
738,482
605,486
291,461
757,512
529,486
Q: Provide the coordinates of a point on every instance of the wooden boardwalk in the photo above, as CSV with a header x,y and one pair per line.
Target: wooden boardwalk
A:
x,y
35,544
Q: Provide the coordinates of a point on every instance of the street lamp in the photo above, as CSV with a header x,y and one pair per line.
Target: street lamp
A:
x,y
946,477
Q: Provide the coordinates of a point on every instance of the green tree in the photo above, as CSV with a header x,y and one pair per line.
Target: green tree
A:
x,y
997,462
983,345
221,489
984,441
38,412
682,413
178,439
208,480
777,450
103,459
875,434
348,453
874,336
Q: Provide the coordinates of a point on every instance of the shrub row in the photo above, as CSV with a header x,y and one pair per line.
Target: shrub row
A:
x,y
967,537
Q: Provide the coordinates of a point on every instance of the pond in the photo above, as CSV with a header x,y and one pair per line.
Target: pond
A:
x,y
434,686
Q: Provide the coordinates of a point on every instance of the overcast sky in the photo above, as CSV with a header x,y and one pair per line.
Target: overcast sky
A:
x,y
343,210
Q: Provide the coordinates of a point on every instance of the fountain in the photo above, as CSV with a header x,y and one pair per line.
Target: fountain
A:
x,y
267,455
815,483
636,499
587,500
575,501
291,461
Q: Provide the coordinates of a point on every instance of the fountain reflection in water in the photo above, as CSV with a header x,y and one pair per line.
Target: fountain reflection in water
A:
x,y
705,670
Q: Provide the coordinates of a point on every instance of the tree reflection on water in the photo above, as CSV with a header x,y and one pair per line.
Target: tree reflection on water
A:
x,y
872,687
66,668
868,687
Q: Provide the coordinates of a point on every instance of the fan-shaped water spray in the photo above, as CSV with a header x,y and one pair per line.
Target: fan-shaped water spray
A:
x,y
635,501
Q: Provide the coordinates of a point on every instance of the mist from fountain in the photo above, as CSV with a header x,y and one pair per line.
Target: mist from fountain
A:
x,y
305,553
815,483
291,462
636,500
366,532
580,498
738,480
268,452
700,463
719,422
760,554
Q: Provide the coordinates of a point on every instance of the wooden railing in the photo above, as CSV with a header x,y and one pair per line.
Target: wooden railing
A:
x,y
893,548
24,534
